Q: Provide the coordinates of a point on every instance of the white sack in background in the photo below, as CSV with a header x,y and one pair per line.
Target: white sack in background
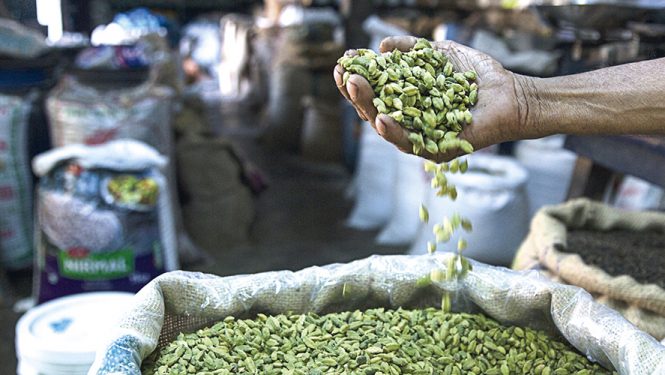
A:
x,y
411,186
375,180
550,169
496,203
532,62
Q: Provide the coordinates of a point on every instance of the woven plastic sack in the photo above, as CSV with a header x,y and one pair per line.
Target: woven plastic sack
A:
x,y
411,187
83,114
550,169
374,179
15,184
492,195
181,301
644,305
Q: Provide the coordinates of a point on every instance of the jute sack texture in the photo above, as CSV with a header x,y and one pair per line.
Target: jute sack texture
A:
x,y
542,250
183,302
218,208
321,138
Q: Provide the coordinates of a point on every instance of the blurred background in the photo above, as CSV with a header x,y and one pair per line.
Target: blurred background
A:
x,y
209,135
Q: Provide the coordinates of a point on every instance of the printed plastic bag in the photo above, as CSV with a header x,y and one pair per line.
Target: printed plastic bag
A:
x,y
82,114
184,302
104,217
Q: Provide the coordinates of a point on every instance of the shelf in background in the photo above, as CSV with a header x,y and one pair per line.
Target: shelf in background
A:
x,y
639,156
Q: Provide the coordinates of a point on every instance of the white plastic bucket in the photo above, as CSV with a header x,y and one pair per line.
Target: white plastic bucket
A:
x,y
61,337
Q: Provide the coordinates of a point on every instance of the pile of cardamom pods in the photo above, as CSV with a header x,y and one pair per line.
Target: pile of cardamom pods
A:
x,y
421,91
372,342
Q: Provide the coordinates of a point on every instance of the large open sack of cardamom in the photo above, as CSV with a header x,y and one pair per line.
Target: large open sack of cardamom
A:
x,y
616,255
185,302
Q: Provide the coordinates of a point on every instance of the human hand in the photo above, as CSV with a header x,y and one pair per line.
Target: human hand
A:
x,y
496,115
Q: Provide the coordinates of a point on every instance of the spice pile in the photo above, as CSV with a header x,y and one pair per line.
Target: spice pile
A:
x,y
131,189
375,342
637,254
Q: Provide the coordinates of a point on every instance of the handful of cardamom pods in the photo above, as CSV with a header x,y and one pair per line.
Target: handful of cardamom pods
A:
x,y
421,91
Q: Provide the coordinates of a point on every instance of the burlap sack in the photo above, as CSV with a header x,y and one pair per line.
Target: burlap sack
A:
x,y
222,222
207,168
643,305
218,208
322,131
182,301
191,120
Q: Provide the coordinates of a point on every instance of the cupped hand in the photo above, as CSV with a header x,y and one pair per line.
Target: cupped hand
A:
x,y
496,115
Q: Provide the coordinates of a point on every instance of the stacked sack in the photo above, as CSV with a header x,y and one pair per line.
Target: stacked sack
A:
x,y
84,112
27,67
217,205
307,49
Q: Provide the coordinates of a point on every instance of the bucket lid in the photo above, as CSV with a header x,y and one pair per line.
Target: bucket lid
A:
x,y
26,367
69,330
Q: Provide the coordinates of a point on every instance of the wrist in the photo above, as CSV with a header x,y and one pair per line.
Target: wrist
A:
x,y
530,107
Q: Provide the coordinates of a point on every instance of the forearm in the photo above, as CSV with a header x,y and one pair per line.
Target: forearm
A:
x,y
625,99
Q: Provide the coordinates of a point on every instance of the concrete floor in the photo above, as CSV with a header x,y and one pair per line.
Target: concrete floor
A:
x,y
300,223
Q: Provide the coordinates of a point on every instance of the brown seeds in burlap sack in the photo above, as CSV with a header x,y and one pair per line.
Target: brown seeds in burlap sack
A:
x,y
546,248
